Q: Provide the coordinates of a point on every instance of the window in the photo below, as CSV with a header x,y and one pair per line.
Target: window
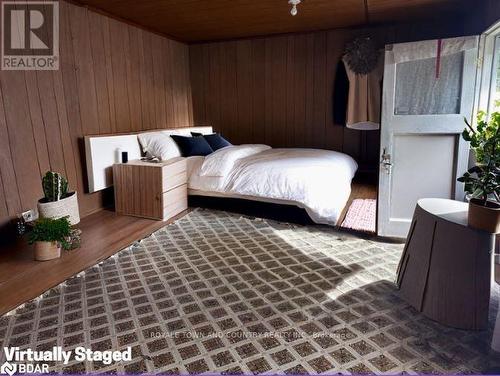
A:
x,y
488,88
420,92
495,82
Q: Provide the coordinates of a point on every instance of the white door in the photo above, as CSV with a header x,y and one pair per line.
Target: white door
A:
x,y
428,90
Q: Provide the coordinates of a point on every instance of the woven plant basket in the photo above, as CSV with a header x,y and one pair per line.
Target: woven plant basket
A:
x,y
67,207
45,251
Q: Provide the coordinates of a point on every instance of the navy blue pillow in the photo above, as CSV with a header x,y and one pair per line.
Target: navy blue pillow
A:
x,y
216,141
191,146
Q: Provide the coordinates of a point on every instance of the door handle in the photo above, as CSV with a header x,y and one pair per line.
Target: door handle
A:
x,y
386,161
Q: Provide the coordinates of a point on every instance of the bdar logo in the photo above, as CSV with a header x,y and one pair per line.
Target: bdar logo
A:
x,y
8,369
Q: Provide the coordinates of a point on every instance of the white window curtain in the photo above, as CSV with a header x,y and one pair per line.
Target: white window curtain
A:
x,y
429,76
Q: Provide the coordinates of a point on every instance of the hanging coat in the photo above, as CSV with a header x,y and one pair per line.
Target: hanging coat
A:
x,y
357,97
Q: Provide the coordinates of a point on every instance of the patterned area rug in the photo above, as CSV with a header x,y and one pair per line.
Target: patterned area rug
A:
x,y
361,215
215,292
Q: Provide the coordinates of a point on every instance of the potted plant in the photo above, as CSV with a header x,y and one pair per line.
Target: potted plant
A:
x,y
482,181
58,202
49,235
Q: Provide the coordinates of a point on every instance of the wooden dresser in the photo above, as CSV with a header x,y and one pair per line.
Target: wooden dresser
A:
x,y
150,190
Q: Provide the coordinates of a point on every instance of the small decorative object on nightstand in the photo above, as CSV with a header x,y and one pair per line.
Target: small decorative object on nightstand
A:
x,y
151,190
124,156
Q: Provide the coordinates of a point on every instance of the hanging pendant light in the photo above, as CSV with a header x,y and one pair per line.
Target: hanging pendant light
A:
x,y
294,4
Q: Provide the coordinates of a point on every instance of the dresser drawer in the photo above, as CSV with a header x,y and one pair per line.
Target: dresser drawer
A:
x,y
174,201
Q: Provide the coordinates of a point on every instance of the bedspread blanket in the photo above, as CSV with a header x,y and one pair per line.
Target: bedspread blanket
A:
x,y
317,180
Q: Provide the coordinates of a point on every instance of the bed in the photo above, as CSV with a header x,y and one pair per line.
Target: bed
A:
x,y
319,181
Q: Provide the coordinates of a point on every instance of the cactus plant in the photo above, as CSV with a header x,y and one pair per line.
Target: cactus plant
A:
x,y
55,186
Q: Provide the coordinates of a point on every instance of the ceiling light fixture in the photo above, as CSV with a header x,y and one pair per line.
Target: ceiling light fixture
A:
x,y
294,4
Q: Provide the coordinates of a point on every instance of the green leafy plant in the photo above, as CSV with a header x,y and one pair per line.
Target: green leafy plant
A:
x,y
482,181
55,186
51,230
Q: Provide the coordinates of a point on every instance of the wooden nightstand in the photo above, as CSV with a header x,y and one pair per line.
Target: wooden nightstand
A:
x,y
151,190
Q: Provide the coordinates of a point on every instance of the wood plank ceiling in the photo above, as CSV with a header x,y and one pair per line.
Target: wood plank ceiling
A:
x,y
206,20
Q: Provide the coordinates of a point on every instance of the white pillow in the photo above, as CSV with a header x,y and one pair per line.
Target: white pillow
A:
x,y
159,144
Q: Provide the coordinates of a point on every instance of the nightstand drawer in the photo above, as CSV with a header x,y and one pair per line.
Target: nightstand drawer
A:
x,y
171,181
174,201
174,174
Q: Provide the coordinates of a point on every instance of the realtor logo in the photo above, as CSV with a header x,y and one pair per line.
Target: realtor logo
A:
x,y
8,369
30,35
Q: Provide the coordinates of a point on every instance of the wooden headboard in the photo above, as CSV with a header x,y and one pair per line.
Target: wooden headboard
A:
x,y
104,150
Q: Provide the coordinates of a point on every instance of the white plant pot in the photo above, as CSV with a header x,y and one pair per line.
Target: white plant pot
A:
x,y
67,207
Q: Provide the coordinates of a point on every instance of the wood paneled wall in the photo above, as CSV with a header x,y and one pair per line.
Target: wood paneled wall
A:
x,y
116,78
492,13
482,16
279,90
113,78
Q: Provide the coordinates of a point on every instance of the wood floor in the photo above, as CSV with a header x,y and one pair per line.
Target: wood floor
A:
x,y
358,190
103,234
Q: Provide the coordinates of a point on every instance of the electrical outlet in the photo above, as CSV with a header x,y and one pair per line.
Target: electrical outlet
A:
x,y
29,216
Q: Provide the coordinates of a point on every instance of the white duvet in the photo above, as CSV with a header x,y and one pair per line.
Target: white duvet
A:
x,y
317,180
